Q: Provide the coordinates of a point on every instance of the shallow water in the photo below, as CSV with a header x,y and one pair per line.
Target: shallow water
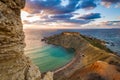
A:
x,y
46,57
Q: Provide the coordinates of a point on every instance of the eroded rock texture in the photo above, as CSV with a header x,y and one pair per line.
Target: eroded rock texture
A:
x,y
13,63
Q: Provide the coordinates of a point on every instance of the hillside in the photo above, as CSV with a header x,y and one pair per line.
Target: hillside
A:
x,y
92,58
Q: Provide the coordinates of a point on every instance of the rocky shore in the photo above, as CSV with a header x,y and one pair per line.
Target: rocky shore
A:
x,y
93,61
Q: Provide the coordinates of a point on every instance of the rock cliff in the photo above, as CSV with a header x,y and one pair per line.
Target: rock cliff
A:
x,y
14,65
93,61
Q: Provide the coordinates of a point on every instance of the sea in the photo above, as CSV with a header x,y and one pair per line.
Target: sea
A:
x,y
50,57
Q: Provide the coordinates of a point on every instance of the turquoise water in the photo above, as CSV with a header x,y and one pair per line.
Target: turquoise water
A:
x,y
50,57
46,57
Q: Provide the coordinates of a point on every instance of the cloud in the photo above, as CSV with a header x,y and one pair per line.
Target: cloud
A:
x,y
57,11
90,16
57,6
64,12
103,25
50,6
62,16
88,4
68,18
113,23
108,3
77,21
111,1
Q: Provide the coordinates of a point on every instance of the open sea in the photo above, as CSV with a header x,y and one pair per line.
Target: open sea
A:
x,y
50,57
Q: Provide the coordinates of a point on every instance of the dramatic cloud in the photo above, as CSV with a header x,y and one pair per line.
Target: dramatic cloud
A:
x,y
59,11
90,16
57,6
50,6
88,4
68,12
68,18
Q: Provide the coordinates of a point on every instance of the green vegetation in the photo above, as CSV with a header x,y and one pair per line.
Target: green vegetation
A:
x,y
97,43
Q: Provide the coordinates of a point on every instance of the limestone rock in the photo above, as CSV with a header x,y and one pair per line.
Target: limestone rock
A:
x,y
48,76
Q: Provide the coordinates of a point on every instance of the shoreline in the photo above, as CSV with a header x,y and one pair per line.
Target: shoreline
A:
x,y
66,65
73,52
87,51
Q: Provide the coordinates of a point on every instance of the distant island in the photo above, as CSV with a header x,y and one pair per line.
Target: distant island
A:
x,y
92,61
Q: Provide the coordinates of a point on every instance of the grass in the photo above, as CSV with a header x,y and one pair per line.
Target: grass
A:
x,y
97,43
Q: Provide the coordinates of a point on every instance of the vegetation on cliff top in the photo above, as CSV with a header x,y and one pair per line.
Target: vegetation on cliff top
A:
x,y
93,41
97,43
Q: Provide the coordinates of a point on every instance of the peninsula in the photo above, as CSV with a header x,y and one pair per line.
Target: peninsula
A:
x,y
92,61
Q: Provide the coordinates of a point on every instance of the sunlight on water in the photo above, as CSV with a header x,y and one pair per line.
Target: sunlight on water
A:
x,y
46,57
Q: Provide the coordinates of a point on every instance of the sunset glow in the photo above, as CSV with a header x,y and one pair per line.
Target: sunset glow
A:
x,y
63,14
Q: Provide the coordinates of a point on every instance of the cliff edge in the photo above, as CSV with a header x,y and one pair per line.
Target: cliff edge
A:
x,y
14,65
93,61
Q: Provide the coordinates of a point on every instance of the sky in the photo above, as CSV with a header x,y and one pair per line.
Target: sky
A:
x,y
71,14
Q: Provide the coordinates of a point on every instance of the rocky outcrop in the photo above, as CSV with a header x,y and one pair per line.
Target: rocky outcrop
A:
x,y
48,76
14,65
91,62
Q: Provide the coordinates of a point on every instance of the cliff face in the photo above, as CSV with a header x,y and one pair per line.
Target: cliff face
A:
x,y
14,65
92,62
